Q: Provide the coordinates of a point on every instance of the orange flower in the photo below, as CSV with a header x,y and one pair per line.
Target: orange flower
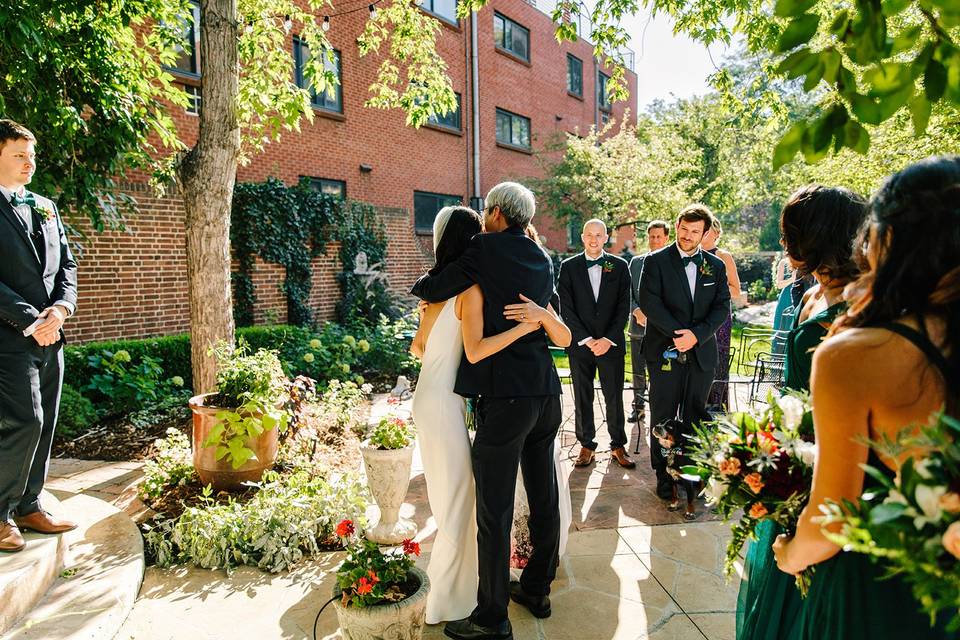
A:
x,y
950,502
757,511
409,546
729,467
951,539
345,528
373,577
754,481
364,587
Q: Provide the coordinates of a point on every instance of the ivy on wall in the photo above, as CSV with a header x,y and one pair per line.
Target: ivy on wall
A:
x,y
288,226
363,287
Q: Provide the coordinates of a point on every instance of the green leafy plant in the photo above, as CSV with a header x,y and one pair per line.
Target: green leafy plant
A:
x,y
124,384
77,414
368,576
289,518
757,290
172,466
392,432
168,409
252,389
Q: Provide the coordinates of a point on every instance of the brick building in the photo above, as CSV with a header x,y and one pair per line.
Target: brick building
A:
x,y
531,90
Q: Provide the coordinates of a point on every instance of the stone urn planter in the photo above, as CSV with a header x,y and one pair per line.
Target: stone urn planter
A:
x,y
394,620
220,473
388,476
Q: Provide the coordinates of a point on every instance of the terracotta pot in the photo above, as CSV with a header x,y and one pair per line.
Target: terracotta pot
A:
x,y
388,476
220,473
395,620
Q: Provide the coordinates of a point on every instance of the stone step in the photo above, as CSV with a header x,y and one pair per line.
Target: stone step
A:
x,y
26,575
92,596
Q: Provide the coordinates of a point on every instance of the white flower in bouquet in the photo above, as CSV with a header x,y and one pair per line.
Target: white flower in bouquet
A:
x,y
807,452
922,467
928,499
793,411
714,490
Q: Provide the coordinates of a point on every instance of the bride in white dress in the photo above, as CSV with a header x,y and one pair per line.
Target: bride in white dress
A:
x,y
447,330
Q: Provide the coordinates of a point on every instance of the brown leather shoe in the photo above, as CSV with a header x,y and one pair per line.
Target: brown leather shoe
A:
x,y
43,522
10,538
585,458
620,455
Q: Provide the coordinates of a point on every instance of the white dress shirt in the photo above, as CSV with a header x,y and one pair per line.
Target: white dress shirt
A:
x,y
595,273
22,210
690,269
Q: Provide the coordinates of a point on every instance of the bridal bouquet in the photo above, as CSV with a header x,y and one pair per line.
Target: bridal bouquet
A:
x,y
757,466
913,520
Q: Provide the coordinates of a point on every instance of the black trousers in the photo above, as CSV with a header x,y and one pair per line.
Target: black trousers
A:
x,y
583,367
30,383
639,365
666,392
514,432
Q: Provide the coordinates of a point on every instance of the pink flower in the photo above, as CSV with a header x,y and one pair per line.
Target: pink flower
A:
x,y
757,511
754,481
729,467
345,528
951,539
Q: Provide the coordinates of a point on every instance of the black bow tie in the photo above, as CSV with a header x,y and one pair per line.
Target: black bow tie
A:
x,y
593,263
16,200
696,259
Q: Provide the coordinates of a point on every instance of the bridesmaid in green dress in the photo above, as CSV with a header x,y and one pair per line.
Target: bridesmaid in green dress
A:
x,y
818,226
893,360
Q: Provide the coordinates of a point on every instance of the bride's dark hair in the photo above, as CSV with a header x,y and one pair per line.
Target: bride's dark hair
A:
x,y
915,220
462,225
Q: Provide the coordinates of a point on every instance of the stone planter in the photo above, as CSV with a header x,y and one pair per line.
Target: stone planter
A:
x,y
220,473
394,620
388,476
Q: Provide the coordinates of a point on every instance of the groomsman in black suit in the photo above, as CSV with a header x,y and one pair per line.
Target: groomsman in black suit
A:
x,y
38,291
594,289
658,234
684,295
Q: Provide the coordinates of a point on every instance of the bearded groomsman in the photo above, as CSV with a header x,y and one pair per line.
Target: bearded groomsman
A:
x,y
38,291
684,295
594,290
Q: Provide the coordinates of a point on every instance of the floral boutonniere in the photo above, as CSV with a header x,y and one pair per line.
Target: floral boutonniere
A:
x,y
607,266
705,269
46,213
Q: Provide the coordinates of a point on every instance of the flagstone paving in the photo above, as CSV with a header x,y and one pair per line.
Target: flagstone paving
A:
x,y
632,570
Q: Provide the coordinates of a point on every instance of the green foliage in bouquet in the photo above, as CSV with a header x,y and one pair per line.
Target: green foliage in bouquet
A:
x,y
368,576
912,522
760,463
392,432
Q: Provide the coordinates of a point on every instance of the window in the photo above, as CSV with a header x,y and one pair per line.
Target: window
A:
x,y
445,9
193,99
449,121
512,129
332,97
426,206
511,37
574,75
602,99
188,58
336,188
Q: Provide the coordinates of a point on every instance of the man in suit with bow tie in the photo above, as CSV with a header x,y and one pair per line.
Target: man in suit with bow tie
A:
x,y
38,292
684,295
594,289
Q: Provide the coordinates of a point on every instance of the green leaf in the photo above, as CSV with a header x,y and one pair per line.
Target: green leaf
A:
x,y
893,7
799,31
816,141
840,23
831,64
905,40
798,63
887,78
934,80
950,6
883,513
791,8
892,103
865,109
920,109
788,146
813,78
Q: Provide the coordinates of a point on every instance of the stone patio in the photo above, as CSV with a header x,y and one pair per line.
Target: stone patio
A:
x,y
632,570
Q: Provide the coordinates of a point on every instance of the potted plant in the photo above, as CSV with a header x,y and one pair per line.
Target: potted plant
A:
x,y
235,428
379,595
387,457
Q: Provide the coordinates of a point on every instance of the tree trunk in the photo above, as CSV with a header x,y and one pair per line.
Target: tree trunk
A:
x,y
207,176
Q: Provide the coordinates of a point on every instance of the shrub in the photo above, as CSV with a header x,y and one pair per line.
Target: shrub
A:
x,y
172,466
288,518
122,383
172,352
752,267
169,408
392,432
757,291
77,414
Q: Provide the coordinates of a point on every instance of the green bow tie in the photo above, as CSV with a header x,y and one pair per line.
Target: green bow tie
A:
x,y
696,259
17,200
593,263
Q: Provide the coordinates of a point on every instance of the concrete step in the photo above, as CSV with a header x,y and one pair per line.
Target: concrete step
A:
x,y
103,569
26,576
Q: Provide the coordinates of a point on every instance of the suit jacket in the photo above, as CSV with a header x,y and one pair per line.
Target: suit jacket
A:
x,y
664,295
504,264
29,283
636,267
588,318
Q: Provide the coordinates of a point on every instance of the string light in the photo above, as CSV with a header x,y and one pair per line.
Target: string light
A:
x,y
287,23
249,27
326,23
373,11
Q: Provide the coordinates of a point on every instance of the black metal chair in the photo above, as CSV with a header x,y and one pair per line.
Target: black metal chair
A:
x,y
768,373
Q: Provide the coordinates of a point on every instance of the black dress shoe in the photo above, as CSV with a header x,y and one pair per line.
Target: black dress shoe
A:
x,y
633,415
664,487
467,629
539,606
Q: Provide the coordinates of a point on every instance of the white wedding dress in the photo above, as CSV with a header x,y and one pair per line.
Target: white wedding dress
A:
x,y
439,416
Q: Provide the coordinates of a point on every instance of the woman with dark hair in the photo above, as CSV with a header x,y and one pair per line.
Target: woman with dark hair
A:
x,y
447,331
893,360
819,226
718,398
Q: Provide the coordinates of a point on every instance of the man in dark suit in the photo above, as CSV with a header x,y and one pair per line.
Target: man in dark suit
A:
x,y
658,234
518,411
594,289
684,295
38,291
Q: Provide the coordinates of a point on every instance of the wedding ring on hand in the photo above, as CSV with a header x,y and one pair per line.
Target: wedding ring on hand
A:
x,y
523,316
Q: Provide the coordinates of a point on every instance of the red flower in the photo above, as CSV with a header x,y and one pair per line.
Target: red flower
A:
x,y
409,546
364,587
345,528
373,577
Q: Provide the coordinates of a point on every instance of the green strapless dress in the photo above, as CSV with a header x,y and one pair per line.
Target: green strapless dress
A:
x,y
769,603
